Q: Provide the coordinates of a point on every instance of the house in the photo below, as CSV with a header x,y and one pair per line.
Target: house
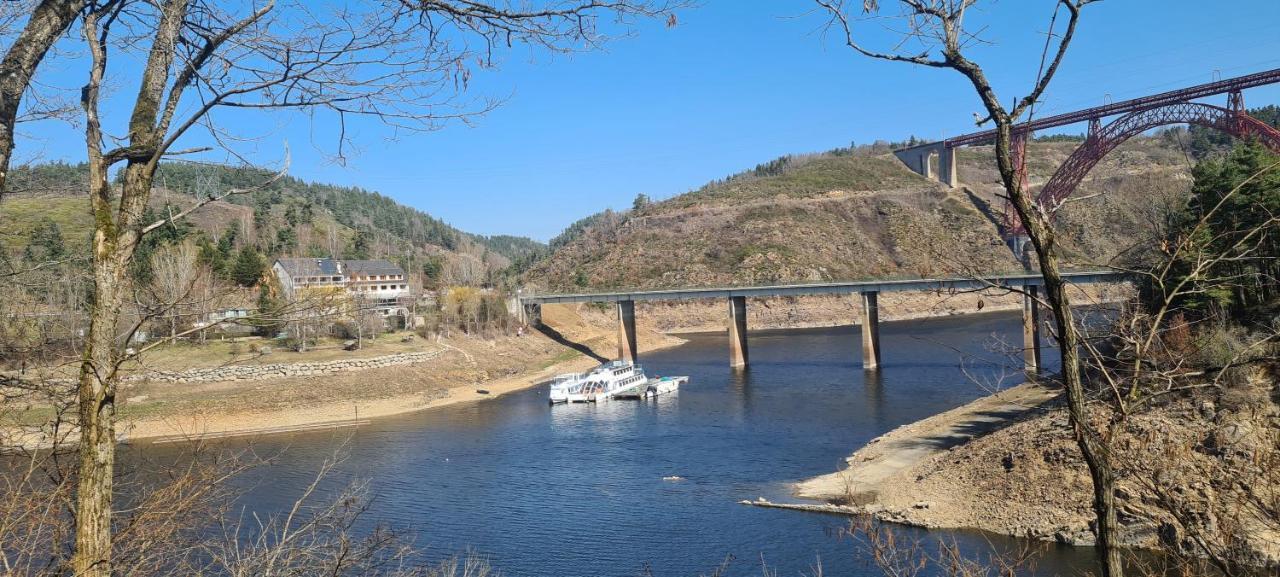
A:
x,y
228,313
379,284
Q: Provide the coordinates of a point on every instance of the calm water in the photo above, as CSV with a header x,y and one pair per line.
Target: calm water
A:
x,y
578,490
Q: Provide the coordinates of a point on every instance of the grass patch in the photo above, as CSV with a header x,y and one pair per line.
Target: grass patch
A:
x,y
19,216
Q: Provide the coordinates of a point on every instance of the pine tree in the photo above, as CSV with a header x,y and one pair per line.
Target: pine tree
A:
x,y
359,248
248,268
46,241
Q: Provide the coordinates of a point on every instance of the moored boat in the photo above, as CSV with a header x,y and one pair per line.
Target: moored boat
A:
x,y
663,386
599,384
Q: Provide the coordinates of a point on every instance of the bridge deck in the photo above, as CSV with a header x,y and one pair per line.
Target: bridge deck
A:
x,y
922,284
1123,107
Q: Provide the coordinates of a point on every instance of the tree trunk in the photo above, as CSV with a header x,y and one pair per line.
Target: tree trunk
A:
x,y
48,22
97,412
1095,453
1091,445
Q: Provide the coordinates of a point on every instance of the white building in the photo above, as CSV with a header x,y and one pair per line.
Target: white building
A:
x,y
378,284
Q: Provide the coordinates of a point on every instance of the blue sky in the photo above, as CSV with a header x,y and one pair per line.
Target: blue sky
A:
x,y
736,83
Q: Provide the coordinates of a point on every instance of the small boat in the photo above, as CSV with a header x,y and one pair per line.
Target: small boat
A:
x,y
663,386
652,388
599,384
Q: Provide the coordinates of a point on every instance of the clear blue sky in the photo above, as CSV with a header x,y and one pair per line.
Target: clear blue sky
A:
x,y
739,82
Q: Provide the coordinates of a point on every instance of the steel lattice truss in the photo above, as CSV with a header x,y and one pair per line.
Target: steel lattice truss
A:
x,y
1102,140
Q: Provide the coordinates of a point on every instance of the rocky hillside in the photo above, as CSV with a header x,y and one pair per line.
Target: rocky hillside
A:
x,y
852,214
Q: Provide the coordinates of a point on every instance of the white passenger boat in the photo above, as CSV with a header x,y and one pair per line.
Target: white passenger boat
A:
x,y
599,384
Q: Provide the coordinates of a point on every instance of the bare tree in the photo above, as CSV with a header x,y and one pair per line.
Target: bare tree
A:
x,y
176,272
47,22
404,64
934,34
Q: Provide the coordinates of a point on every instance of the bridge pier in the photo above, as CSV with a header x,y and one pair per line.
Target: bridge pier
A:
x,y
871,331
627,331
947,166
1031,331
737,332
919,160
531,315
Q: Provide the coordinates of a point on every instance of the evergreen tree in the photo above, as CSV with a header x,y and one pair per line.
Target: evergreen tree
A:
x,y
46,242
359,248
641,201
168,234
212,257
268,319
227,242
248,268
433,271
286,241
1252,262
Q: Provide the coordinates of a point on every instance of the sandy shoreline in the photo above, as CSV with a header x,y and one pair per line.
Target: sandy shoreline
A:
x,y
350,408
871,467
878,467
339,413
336,414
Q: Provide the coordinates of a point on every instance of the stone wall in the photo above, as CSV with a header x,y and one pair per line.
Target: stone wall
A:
x,y
275,371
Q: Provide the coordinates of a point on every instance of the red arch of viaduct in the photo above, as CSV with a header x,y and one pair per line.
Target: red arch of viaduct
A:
x,y
1101,140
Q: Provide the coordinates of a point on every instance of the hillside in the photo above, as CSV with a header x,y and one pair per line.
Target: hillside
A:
x,y
857,213
288,218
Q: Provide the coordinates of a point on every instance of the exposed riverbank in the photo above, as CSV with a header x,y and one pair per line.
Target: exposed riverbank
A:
x,y
465,369
1008,464
464,366
459,368
422,374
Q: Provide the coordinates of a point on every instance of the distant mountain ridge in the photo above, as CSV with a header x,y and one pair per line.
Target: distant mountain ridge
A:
x,y
288,217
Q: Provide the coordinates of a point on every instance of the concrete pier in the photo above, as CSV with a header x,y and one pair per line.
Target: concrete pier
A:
x,y
531,315
947,167
871,331
737,331
920,160
1031,331
627,330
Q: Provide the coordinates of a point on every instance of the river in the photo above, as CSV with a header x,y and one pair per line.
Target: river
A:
x,y
579,490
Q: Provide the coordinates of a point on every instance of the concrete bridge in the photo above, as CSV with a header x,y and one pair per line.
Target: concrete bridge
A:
x,y
868,291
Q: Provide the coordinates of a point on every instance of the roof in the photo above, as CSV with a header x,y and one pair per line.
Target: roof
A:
x,y
300,267
304,267
371,267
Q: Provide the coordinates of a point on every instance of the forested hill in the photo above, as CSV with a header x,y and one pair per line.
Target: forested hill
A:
x,y
287,217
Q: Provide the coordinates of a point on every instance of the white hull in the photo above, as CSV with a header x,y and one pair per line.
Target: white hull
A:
x,y
663,386
600,384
